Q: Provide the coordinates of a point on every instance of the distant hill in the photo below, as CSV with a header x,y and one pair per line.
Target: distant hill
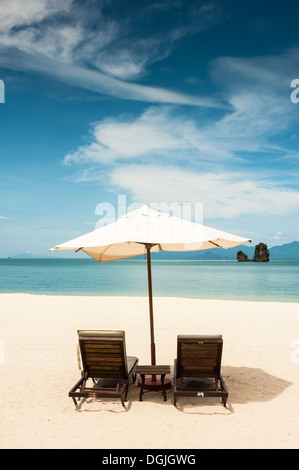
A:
x,y
286,251
56,255
213,254
23,255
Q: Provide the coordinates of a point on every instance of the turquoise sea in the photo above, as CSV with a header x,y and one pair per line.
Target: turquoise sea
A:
x,y
277,280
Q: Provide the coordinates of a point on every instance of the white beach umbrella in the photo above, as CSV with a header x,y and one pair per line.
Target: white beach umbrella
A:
x,y
144,231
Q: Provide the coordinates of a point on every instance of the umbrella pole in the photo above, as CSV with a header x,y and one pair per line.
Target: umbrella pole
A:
x,y
150,296
152,383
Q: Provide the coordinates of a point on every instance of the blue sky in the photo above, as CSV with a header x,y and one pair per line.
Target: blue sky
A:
x,y
159,101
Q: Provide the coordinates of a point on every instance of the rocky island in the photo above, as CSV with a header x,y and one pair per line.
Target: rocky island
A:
x,y
261,254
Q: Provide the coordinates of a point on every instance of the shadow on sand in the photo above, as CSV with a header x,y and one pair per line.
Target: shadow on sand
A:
x,y
245,385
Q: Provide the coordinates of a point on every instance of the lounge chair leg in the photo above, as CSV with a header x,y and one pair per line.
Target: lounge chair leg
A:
x,y
122,400
142,385
163,388
84,382
174,382
75,401
126,392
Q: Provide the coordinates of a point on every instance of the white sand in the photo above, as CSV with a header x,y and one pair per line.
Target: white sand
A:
x,y
38,367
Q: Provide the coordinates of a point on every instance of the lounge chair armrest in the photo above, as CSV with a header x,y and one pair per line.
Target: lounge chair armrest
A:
x,y
79,357
130,373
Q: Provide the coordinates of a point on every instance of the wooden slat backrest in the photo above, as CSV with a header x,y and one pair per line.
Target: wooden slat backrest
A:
x,y
199,356
103,353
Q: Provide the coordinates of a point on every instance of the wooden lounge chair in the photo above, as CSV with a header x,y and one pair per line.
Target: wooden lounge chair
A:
x,y
104,361
197,368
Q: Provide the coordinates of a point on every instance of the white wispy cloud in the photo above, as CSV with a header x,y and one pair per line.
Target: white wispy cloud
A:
x,y
273,71
162,132
260,89
130,57
155,132
224,195
277,235
99,82
56,39
15,13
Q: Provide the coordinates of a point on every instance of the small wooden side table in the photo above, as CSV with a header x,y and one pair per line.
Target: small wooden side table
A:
x,y
152,370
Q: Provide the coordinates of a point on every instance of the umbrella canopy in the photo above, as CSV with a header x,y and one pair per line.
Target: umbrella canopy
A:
x,y
128,236
144,231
